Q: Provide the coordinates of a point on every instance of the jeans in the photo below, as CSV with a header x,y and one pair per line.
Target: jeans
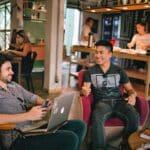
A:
x,y
68,137
105,110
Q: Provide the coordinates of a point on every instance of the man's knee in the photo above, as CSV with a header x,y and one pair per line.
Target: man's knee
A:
x,y
133,115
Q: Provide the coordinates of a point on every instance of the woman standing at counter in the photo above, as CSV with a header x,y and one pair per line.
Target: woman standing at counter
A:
x,y
22,49
22,45
142,39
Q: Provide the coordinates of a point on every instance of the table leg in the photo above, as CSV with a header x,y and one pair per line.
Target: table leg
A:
x,y
147,80
19,72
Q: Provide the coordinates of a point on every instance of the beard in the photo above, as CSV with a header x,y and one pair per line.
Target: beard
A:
x,y
8,79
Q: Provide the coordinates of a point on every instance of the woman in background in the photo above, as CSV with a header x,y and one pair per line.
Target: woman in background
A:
x,y
142,39
22,44
22,48
86,30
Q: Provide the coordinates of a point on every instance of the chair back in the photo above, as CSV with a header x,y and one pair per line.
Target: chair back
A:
x,y
80,78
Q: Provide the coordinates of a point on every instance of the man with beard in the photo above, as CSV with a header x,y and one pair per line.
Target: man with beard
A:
x,y
14,100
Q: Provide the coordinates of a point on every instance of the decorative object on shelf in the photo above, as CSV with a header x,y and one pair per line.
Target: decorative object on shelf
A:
x,y
124,2
37,12
118,2
115,6
111,3
146,1
138,1
131,1
104,2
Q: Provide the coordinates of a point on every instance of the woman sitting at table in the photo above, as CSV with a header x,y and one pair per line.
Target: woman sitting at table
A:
x,y
141,41
22,49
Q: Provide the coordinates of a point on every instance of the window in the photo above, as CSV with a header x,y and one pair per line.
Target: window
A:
x,y
72,25
5,18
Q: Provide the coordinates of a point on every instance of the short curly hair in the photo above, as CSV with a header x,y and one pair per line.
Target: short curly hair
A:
x,y
4,58
104,43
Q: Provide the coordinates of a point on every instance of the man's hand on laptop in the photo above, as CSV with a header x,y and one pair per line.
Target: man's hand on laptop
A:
x,y
36,113
50,104
47,104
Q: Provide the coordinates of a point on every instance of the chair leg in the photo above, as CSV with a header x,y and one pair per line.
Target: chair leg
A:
x,y
42,79
31,83
28,82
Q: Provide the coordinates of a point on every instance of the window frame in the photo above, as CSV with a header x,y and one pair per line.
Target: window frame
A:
x,y
6,30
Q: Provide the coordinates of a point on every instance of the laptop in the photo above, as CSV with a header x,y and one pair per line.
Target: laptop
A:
x,y
58,116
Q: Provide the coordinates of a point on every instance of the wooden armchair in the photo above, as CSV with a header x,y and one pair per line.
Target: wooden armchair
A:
x,y
6,127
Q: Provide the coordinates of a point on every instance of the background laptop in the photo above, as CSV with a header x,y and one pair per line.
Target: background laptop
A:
x,y
59,114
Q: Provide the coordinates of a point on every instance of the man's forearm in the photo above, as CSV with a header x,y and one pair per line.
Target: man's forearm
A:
x,y
13,118
132,92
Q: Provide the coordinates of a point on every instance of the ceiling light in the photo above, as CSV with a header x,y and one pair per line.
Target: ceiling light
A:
x,y
108,9
125,8
93,10
146,6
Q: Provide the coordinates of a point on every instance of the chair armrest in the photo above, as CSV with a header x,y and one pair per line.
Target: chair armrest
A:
x,y
87,107
143,108
80,78
7,126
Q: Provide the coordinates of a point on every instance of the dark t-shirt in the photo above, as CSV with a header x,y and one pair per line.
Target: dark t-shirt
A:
x,y
106,85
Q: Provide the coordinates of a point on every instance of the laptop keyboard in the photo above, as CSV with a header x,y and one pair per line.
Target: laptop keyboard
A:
x,y
34,125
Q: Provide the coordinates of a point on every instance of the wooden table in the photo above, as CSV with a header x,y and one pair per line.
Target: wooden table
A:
x,y
135,141
15,60
79,48
126,55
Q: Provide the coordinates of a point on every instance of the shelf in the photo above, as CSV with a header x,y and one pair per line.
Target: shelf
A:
x,y
102,10
133,7
117,9
35,20
136,74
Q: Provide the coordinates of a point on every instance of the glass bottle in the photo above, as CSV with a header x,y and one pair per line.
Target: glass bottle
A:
x,y
90,40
